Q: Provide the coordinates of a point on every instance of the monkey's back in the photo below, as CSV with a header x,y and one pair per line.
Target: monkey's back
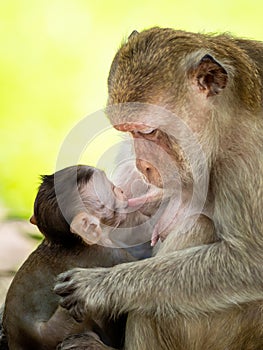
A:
x,y
30,297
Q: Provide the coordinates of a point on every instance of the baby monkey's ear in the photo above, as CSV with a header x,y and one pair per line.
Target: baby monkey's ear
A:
x,y
33,220
86,226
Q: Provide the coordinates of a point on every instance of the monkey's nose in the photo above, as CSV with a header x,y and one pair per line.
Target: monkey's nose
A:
x,y
120,194
121,198
149,171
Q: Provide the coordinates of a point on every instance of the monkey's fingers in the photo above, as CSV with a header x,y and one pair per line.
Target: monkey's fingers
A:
x,y
65,286
64,289
70,302
63,277
83,341
68,275
74,307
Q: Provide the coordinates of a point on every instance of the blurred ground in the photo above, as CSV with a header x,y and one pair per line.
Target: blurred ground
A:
x,y
17,241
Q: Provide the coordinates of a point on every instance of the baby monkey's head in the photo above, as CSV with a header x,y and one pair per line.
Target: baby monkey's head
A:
x,y
76,202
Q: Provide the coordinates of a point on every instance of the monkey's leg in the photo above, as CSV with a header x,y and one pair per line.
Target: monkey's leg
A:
x,y
84,341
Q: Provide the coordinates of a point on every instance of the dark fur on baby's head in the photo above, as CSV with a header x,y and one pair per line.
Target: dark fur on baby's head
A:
x,y
58,201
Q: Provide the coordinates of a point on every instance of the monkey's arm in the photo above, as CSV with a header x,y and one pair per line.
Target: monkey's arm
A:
x,y
200,279
59,326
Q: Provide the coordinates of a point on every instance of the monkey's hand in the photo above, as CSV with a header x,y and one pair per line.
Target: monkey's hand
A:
x,y
87,340
83,291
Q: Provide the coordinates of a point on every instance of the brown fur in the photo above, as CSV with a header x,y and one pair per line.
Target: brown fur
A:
x,y
206,296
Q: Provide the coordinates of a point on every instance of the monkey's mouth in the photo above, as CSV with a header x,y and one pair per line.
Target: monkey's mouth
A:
x,y
151,203
153,195
169,209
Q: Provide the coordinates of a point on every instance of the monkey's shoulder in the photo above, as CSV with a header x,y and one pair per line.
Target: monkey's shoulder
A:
x,y
52,259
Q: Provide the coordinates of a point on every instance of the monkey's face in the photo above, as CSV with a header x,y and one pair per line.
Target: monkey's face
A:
x,y
167,89
159,157
106,201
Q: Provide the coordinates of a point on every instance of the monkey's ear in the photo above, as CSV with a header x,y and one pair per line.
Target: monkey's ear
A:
x,y
209,76
86,226
133,33
33,220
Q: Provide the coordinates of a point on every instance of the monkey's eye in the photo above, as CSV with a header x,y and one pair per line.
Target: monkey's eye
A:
x,y
148,132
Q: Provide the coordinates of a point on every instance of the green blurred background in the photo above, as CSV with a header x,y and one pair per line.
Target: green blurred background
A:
x,y
54,61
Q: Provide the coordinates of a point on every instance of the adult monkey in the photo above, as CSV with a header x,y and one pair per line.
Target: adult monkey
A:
x,y
207,296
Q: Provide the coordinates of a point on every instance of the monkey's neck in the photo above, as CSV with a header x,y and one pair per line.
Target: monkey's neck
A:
x,y
64,239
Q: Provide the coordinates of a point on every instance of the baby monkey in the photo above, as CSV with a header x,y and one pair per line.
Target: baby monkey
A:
x,y
74,208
